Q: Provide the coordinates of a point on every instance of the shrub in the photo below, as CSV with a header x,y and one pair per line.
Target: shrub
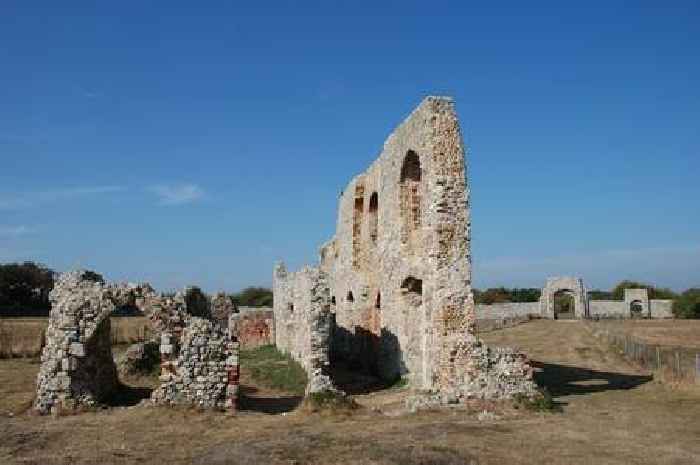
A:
x,y
542,402
330,401
687,305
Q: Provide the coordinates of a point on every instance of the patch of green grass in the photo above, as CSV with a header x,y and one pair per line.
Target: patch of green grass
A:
x,y
273,369
542,402
330,401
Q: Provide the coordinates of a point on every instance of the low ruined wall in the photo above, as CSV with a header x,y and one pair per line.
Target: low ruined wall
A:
x,y
621,309
507,310
608,309
256,327
661,308
77,368
197,366
303,321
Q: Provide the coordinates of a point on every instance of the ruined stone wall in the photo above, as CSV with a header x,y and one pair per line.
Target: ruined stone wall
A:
x,y
399,266
622,308
256,327
507,310
661,308
196,365
199,356
303,321
608,309
77,369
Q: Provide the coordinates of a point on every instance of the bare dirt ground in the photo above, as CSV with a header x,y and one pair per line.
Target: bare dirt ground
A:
x,y
613,413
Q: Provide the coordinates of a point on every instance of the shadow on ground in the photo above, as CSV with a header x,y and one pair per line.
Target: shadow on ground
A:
x,y
128,396
564,380
252,402
355,380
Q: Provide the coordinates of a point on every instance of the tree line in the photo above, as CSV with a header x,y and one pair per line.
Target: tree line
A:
x,y
25,287
686,304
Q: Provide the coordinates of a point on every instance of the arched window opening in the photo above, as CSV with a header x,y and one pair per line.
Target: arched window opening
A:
x,y
357,213
410,192
378,302
290,307
350,297
373,216
333,300
412,289
411,170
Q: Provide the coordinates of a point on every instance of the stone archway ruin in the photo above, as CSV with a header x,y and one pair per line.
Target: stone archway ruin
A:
x,y
568,284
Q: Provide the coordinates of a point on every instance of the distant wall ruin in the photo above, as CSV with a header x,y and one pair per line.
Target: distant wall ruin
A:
x,y
396,277
256,327
635,304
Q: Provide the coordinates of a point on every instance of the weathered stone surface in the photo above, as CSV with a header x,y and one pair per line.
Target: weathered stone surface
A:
x,y
195,370
77,369
304,322
256,327
397,274
140,358
222,305
199,357
566,284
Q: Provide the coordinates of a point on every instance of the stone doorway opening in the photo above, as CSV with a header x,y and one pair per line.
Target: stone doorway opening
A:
x,y
564,305
636,309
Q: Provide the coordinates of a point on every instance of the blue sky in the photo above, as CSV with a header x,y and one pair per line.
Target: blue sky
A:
x,y
181,143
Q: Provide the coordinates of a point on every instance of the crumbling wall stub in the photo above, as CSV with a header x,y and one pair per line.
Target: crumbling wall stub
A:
x,y
196,366
77,369
303,321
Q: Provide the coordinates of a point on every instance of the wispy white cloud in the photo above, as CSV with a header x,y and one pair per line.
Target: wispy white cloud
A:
x,y
14,231
23,200
177,194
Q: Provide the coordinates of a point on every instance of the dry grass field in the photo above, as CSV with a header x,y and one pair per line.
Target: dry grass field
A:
x,y
22,337
612,413
678,333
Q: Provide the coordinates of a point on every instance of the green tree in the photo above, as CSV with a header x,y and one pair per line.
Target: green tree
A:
x,y
618,292
597,294
253,297
24,289
687,305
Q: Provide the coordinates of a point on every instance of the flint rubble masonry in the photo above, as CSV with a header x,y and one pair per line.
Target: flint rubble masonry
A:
x,y
393,287
199,356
